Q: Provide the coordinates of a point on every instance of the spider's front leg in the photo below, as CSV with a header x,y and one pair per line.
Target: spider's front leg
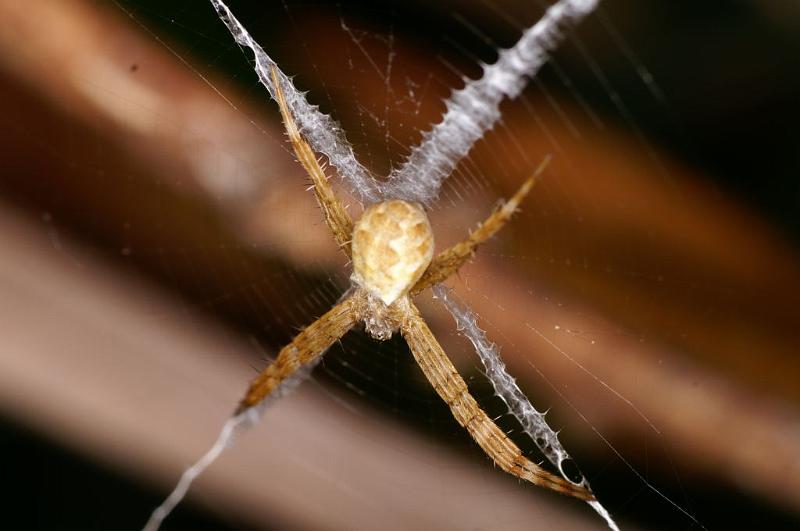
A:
x,y
450,386
337,218
305,348
450,260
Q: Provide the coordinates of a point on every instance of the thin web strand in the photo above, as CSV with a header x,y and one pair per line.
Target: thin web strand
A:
x,y
320,130
596,378
224,440
619,455
474,109
250,186
505,386
594,429
227,436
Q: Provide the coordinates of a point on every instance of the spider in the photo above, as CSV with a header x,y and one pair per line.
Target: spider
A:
x,y
391,249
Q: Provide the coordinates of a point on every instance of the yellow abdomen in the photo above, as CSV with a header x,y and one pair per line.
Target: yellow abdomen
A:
x,y
392,247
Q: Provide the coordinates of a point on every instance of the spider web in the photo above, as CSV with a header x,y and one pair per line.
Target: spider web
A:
x,y
382,72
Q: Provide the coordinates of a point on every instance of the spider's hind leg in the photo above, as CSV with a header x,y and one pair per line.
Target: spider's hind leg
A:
x,y
450,386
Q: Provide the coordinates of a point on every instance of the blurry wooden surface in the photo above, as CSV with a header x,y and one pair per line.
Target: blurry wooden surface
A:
x,y
707,351
115,369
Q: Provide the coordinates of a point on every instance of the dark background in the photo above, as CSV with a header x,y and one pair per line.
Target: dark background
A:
x,y
729,75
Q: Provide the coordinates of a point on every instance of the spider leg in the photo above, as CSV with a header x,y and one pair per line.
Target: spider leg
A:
x,y
337,218
450,386
450,260
305,348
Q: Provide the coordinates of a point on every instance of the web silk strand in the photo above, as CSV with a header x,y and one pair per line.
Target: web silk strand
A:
x,y
224,440
227,436
505,386
322,133
474,109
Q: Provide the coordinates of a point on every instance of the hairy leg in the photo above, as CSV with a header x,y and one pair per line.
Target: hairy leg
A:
x,y
305,348
444,378
448,261
337,218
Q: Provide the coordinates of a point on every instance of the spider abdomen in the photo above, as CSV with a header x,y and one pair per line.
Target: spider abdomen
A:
x,y
392,246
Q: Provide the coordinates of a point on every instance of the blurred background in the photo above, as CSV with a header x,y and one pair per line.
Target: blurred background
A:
x,y
159,246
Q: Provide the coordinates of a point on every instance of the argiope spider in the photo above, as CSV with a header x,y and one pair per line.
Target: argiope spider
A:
x,y
391,249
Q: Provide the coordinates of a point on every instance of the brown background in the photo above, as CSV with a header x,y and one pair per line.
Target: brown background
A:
x,y
158,244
